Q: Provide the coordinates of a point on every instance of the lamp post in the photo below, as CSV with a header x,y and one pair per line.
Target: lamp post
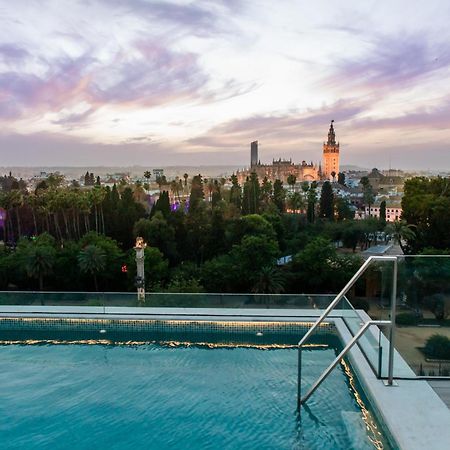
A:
x,y
140,276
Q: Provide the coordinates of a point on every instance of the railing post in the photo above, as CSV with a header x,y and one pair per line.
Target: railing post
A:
x,y
380,355
299,379
392,331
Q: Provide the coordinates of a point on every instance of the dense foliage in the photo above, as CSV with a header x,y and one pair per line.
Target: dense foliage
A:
x,y
218,238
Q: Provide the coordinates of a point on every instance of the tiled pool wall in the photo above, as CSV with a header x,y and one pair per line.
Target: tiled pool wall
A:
x,y
162,326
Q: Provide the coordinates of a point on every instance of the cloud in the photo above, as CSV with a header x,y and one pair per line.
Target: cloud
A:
x,y
199,18
435,117
156,76
392,62
279,129
13,53
63,82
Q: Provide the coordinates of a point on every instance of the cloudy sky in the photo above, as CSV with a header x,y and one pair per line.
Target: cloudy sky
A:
x,y
122,82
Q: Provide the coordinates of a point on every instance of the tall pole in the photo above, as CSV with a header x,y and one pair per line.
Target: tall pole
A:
x,y
392,333
140,274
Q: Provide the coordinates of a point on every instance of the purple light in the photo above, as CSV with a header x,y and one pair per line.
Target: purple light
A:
x,y
2,217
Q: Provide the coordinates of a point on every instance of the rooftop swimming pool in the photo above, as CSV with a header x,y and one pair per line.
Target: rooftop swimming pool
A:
x,y
103,386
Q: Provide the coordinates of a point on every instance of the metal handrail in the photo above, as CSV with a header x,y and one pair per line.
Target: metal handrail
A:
x,y
350,344
332,305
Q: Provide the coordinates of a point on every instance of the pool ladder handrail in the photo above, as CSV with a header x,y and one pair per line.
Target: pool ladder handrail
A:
x,y
338,298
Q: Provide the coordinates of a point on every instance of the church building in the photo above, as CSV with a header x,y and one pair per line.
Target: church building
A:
x,y
281,169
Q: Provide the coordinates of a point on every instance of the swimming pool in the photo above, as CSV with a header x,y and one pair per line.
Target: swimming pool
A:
x,y
170,388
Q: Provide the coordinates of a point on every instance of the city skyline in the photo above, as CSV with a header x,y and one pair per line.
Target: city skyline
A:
x,y
177,83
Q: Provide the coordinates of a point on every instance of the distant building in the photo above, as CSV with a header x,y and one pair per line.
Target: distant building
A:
x,y
281,169
158,173
330,155
393,212
254,154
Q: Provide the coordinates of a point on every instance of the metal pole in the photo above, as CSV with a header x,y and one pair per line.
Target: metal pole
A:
x,y
380,355
299,379
392,331
327,371
337,299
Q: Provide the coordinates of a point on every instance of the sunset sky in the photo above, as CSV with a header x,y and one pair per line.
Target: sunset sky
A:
x,y
122,82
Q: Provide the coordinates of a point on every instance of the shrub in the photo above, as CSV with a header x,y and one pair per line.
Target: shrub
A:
x,y
406,319
438,347
439,305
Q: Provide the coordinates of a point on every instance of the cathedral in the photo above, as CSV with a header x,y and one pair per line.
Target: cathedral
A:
x,y
281,169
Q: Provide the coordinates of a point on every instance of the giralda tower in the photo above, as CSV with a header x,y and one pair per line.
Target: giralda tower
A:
x,y
330,155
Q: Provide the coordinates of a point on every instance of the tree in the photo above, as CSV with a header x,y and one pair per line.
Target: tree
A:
x,y
92,260
327,201
162,204
216,194
279,196
235,192
291,180
402,233
312,200
39,262
318,267
270,281
266,192
113,256
158,233
426,207
185,176
341,178
251,195
295,202
368,194
343,209
383,212
197,194
147,175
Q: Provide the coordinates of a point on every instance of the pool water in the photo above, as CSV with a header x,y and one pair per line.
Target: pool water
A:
x,y
150,396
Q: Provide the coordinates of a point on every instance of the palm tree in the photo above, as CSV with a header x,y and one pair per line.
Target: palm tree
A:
x,y
296,202
401,232
84,205
291,180
92,260
270,281
17,204
40,260
53,203
185,176
174,188
148,175
97,195
33,203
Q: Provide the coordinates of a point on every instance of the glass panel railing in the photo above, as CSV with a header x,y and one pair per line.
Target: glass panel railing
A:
x,y
423,314
154,299
370,343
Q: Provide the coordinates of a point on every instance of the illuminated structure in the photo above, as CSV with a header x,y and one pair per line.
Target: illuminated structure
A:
x,y
140,274
281,169
330,155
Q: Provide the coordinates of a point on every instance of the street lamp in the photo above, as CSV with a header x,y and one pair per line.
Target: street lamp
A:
x,y
140,276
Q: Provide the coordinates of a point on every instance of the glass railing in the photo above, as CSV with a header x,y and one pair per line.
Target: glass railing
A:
x,y
423,314
422,311
175,300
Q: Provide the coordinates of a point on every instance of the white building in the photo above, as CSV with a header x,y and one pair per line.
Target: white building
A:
x,y
393,213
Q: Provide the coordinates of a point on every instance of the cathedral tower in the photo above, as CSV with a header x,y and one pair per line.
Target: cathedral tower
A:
x,y
330,155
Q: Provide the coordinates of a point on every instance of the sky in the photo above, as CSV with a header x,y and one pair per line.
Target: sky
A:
x,y
152,82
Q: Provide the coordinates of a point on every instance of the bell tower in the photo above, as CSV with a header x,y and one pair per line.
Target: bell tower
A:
x,y
330,155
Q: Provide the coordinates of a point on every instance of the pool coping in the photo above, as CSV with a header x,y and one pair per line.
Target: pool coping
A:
x,y
400,408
